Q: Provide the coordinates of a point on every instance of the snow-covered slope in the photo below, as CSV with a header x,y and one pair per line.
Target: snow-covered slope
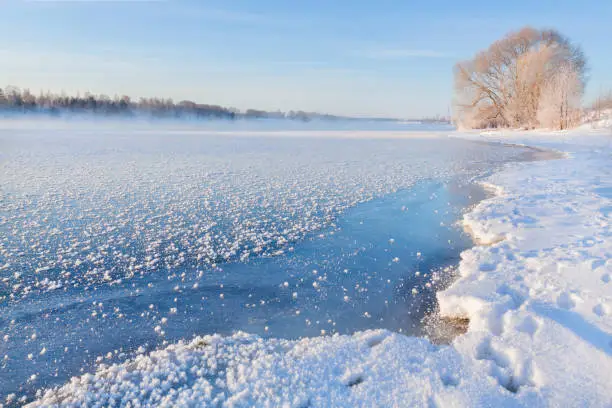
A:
x,y
538,294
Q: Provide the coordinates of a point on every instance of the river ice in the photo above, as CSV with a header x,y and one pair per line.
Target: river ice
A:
x,y
115,239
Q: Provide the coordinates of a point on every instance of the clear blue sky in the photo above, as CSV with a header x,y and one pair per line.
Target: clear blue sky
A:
x,y
357,57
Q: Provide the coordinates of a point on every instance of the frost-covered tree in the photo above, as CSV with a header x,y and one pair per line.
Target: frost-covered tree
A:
x,y
532,69
502,86
561,98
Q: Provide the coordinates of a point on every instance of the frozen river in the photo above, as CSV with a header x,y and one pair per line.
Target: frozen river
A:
x,y
119,238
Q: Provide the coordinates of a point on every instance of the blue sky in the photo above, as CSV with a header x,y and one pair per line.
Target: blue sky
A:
x,y
362,58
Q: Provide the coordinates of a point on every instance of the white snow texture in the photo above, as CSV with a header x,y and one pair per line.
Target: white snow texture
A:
x,y
537,292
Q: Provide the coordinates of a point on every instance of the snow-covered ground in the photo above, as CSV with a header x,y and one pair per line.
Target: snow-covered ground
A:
x,y
539,295
537,292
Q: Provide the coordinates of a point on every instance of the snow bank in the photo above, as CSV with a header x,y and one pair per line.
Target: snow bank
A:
x,y
538,293
374,368
539,296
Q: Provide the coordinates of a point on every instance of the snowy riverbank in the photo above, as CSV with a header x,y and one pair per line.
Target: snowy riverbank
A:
x,y
539,297
539,300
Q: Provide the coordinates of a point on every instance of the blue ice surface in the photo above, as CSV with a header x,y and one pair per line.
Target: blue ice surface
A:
x,y
370,256
356,272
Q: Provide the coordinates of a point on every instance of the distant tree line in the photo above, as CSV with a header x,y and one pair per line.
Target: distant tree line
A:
x,y
16,100
530,78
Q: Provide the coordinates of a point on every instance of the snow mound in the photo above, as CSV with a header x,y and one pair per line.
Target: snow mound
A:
x,y
373,368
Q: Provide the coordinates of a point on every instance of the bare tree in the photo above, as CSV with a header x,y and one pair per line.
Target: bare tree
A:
x,y
601,104
502,86
561,98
